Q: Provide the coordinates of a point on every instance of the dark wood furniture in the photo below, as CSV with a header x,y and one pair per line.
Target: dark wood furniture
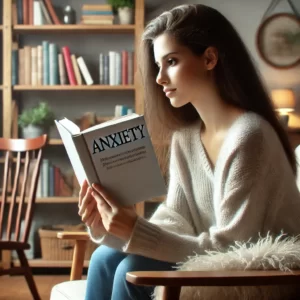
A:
x,y
172,281
22,161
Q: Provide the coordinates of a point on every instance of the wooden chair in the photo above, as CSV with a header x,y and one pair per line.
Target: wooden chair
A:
x,y
172,281
21,172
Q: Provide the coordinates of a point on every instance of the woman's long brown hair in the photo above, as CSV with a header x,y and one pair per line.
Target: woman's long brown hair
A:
x,y
198,27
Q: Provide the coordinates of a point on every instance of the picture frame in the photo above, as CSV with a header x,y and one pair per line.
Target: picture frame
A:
x,y
278,40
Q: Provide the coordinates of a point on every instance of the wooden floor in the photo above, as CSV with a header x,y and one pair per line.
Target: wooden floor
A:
x,y
15,287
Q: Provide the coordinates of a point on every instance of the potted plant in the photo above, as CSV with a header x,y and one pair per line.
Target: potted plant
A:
x,y
36,121
124,9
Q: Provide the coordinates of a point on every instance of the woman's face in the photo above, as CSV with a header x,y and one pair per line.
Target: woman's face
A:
x,y
182,74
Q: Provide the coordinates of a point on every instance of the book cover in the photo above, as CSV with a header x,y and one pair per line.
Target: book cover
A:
x,y
118,154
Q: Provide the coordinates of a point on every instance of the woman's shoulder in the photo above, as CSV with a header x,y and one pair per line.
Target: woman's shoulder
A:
x,y
252,130
184,135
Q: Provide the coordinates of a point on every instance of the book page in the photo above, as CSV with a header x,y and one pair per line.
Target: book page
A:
x,y
70,147
111,122
70,126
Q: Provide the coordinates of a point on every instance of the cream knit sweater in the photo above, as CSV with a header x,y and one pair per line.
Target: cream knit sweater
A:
x,y
252,190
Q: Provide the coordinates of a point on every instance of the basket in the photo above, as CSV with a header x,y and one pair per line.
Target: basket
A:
x,y
53,248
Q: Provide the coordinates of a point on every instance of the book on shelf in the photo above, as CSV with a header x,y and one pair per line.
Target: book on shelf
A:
x,y
34,12
118,154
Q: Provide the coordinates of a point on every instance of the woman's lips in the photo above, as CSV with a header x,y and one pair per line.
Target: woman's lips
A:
x,y
170,92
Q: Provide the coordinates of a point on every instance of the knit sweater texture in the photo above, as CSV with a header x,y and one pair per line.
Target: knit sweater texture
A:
x,y
251,191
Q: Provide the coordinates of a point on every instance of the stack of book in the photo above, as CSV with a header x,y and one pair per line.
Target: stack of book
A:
x,y
97,14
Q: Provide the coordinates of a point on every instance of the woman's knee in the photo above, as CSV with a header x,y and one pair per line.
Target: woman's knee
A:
x,y
136,263
105,255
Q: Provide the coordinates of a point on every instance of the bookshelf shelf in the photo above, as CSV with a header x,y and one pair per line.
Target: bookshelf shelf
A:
x,y
73,87
55,142
53,200
42,263
77,28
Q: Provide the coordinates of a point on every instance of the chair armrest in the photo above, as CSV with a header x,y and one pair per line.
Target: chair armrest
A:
x,y
213,278
73,235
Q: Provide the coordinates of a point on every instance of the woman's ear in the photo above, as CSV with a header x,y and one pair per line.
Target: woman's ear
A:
x,y
210,58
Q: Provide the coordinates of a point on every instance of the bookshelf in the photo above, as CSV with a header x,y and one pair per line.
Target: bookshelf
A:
x,y
10,92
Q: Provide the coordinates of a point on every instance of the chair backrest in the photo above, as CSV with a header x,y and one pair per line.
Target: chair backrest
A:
x,y
20,179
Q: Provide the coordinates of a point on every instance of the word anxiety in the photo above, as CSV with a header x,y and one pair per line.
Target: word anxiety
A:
x,y
118,139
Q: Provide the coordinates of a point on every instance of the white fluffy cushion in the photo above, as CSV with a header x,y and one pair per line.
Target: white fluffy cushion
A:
x,y
69,290
268,253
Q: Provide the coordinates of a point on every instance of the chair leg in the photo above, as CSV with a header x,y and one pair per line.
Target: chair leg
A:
x,y
78,260
28,275
171,292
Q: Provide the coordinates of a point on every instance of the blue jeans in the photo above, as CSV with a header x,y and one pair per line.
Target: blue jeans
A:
x,y
106,279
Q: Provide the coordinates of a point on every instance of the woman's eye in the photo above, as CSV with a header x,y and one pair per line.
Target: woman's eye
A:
x,y
171,61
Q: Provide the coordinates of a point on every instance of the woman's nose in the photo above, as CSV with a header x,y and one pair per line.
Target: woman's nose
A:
x,y
161,77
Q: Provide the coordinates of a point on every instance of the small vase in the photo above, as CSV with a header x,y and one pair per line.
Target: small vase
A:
x,y
69,15
125,15
32,131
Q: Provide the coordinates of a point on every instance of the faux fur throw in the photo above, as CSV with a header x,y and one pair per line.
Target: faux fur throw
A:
x,y
268,253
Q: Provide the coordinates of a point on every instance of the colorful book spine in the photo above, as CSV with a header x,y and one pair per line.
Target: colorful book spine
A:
x,y
45,45
34,66
76,69
96,12
21,73
37,13
14,67
40,65
106,69
84,71
101,75
53,64
52,12
124,67
69,66
27,65
62,70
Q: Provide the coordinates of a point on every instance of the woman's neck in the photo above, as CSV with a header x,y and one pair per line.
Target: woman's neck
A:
x,y
217,115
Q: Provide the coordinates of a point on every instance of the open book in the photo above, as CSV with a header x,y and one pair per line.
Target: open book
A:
x,y
118,154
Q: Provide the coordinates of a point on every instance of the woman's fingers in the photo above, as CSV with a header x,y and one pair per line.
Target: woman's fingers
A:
x,y
94,215
96,220
85,201
82,192
88,211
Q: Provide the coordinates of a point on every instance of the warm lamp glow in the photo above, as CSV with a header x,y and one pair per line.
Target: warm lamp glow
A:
x,y
284,100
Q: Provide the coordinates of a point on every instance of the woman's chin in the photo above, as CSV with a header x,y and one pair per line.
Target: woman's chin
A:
x,y
175,103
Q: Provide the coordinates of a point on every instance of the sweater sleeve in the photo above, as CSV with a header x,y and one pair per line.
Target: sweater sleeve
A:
x,y
240,208
103,238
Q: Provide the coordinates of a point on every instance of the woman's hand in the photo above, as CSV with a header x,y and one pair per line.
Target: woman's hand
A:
x,y
88,208
117,220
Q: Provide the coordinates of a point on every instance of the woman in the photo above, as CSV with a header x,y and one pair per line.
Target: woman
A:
x,y
232,170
